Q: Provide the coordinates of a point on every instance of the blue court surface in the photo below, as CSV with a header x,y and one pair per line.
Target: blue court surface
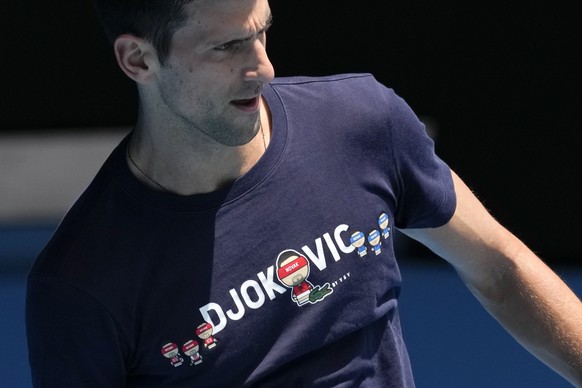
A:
x,y
452,341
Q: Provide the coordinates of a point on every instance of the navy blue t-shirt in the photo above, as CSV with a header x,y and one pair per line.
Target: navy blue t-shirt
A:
x,y
286,278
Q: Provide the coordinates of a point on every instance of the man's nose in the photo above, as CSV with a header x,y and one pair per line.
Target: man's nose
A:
x,y
259,66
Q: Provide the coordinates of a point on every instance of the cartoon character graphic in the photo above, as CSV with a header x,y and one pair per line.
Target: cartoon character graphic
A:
x,y
191,349
375,241
383,222
170,351
292,271
357,240
204,332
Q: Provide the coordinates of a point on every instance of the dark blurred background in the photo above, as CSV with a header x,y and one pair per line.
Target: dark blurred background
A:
x,y
499,81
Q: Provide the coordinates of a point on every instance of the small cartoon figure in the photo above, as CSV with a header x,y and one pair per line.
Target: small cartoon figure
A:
x,y
383,222
357,240
204,331
170,351
191,349
375,241
292,271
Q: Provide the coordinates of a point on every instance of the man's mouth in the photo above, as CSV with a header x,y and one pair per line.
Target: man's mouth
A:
x,y
246,103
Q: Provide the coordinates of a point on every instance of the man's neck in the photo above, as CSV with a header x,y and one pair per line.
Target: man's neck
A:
x,y
185,166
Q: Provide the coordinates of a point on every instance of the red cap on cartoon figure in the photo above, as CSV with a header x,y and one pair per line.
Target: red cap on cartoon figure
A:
x,y
292,267
189,345
170,347
203,327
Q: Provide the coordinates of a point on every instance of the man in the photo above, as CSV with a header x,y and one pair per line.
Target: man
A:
x,y
177,238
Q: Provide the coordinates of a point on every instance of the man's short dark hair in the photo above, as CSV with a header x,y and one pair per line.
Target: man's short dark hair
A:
x,y
153,20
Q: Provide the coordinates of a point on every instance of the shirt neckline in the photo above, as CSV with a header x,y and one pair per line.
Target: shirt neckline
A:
x,y
224,196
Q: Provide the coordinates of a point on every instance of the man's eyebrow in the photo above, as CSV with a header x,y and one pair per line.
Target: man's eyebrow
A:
x,y
268,23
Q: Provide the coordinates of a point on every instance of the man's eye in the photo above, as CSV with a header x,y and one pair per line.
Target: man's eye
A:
x,y
229,45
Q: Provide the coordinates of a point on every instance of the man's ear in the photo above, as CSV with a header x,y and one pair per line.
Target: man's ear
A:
x,y
136,57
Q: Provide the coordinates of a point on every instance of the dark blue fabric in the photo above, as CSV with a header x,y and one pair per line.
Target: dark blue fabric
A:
x,y
132,273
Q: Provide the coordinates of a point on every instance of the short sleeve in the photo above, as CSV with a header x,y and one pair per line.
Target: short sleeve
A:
x,y
426,196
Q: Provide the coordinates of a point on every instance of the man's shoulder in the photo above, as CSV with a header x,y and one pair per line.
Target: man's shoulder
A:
x,y
352,88
323,80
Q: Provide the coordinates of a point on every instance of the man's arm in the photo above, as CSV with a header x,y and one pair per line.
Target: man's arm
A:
x,y
511,282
